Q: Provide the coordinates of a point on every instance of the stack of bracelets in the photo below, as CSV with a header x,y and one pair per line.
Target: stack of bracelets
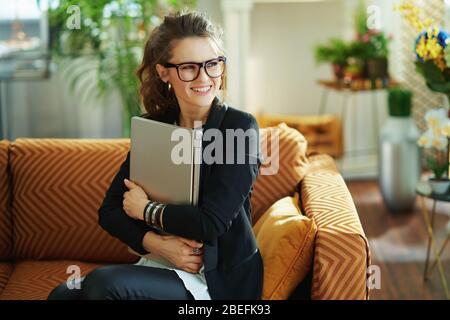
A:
x,y
153,214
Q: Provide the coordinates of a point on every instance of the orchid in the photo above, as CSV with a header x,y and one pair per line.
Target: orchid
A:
x,y
436,137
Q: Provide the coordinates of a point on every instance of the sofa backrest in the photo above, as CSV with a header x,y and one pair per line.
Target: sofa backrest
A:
x,y
5,213
58,186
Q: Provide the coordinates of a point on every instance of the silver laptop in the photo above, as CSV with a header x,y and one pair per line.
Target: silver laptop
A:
x,y
162,164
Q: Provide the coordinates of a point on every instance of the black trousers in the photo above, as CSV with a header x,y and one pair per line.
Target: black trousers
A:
x,y
125,282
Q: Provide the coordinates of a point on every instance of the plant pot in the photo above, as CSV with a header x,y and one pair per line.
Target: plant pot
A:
x,y
377,68
439,186
338,71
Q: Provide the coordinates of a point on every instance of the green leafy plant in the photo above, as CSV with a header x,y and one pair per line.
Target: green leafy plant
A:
x,y
399,102
102,55
368,43
438,167
336,51
360,18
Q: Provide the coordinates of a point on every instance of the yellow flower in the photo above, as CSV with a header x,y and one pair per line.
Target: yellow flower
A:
x,y
421,48
411,13
434,48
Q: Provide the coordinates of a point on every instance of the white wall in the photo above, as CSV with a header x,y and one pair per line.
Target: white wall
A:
x,y
282,40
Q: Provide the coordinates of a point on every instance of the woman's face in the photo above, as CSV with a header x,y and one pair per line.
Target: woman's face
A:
x,y
201,91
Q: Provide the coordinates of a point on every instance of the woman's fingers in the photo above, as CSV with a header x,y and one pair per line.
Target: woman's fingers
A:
x,y
130,184
192,267
189,251
193,259
192,243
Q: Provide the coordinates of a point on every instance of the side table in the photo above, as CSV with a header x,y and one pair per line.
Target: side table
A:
x,y
350,90
423,189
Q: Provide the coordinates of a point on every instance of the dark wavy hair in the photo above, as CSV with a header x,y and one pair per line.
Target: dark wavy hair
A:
x,y
155,94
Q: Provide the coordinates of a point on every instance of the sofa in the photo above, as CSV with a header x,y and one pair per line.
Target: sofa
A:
x,y
51,189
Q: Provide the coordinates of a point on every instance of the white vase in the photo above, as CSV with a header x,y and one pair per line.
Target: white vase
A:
x,y
399,163
439,186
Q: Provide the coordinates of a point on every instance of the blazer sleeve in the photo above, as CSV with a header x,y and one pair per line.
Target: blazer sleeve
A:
x,y
114,219
223,196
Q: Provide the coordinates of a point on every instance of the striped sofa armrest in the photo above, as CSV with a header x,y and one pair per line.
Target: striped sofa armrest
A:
x,y
341,253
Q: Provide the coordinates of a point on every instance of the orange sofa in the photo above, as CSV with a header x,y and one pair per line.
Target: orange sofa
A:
x,y
50,190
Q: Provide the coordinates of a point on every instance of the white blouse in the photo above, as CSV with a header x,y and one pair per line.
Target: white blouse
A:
x,y
195,283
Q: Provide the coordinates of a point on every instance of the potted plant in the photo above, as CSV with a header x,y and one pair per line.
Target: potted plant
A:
x,y
336,52
432,50
371,45
436,138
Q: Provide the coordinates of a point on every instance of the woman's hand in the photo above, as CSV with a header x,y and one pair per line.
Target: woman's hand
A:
x,y
185,254
134,200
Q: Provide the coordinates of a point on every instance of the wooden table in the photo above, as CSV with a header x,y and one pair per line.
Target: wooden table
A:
x,y
349,89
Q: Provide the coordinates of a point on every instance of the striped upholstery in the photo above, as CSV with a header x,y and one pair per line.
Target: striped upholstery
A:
x,y
34,280
5,218
293,164
5,272
341,255
321,162
58,186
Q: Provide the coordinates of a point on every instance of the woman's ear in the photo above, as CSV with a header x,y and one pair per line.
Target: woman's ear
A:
x,y
163,73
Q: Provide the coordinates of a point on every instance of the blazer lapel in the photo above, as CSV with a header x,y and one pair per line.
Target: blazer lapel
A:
x,y
214,121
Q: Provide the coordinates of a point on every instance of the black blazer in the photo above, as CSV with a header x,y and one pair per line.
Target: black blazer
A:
x,y
222,220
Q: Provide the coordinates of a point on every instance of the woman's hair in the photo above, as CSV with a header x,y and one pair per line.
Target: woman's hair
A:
x,y
155,94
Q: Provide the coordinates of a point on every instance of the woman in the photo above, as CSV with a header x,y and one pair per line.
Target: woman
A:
x,y
182,74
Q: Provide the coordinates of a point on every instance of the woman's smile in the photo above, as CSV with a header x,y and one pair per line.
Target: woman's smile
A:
x,y
202,90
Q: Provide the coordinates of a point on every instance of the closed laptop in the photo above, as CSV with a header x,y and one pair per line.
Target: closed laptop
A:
x,y
162,160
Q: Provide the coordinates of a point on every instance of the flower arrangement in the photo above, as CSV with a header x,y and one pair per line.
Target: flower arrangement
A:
x,y
370,42
436,137
375,43
431,49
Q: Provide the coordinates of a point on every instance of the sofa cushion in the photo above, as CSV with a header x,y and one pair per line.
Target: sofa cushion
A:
x,y
5,214
58,186
34,280
286,240
5,272
292,166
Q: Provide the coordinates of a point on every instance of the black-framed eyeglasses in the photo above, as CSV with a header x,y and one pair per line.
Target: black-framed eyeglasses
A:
x,y
189,71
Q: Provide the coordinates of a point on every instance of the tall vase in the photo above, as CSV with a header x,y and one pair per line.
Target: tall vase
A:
x,y
399,159
399,163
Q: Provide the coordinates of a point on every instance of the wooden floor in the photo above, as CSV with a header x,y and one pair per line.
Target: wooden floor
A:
x,y
398,244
